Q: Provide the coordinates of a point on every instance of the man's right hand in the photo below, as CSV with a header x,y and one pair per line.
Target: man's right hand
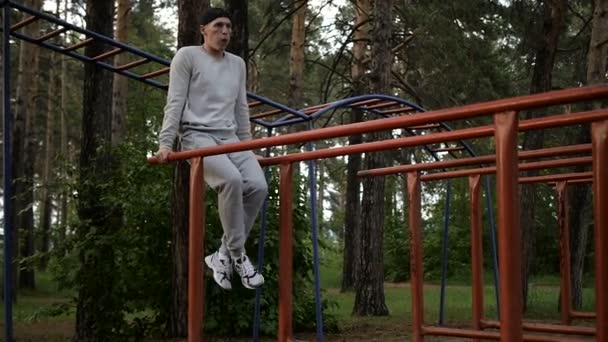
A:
x,y
162,154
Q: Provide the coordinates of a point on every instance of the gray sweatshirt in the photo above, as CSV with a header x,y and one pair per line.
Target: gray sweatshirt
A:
x,y
207,94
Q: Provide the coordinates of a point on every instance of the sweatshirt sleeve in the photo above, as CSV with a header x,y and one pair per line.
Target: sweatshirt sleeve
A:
x,y
179,79
241,110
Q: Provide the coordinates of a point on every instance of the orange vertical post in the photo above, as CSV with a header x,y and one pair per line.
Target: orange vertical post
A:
x,y
509,230
195,251
563,221
285,253
476,251
416,271
599,148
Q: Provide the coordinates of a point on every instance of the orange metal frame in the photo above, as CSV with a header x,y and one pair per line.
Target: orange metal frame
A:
x,y
505,129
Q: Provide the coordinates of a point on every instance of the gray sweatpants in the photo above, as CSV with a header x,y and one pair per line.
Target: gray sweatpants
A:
x,y
240,184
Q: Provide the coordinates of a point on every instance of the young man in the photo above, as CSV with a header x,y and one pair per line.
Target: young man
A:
x,y
207,103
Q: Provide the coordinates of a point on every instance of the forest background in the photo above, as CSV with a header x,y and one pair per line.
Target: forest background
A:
x,y
109,230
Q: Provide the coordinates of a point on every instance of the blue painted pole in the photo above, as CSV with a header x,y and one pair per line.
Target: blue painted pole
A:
x,y
263,223
444,257
8,188
312,181
489,202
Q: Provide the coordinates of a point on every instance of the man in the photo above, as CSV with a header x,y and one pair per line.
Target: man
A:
x,y
207,102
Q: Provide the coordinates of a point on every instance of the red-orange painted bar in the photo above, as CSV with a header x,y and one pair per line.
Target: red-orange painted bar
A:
x,y
78,45
582,315
581,181
52,34
599,146
416,270
545,164
467,133
524,102
254,104
476,251
383,105
489,335
546,152
156,73
556,178
285,333
449,149
429,126
509,231
132,64
196,238
548,328
399,110
24,22
564,256
108,54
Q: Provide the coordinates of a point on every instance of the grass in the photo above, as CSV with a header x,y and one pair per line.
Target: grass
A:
x,y
40,310
542,299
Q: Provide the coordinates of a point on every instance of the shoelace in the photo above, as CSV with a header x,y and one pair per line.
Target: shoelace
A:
x,y
246,266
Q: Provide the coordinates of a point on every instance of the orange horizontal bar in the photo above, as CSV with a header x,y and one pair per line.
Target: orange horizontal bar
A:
x,y
108,54
448,149
52,34
255,104
556,178
545,164
381,105
576,181
398,110
78,45
546,152
523,102
430,126
24,22
489,335
547,328
156,73
583,314
132,64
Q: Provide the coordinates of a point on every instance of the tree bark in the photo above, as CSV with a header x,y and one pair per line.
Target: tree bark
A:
x,y
22,143
369,297
296,54
98,308
189,12
352,222
120,90
580,196
46,212
63,210
239,43
553,20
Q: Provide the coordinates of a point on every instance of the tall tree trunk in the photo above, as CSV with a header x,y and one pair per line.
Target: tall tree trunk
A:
x,y
99,309
546,46
49,156
296,54
188,34
121,83
351,222
63,207
369,285
22,144
580,196
239,43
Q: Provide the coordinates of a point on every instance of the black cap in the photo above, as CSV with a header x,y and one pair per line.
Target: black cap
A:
x,y
214,13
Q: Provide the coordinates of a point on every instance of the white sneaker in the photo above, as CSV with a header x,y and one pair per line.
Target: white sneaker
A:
x,y
222,269
250,277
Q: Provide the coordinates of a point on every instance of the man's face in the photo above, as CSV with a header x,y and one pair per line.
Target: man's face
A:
x,y
217,33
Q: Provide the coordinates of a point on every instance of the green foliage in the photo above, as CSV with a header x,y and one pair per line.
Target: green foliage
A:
x,y
231,313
